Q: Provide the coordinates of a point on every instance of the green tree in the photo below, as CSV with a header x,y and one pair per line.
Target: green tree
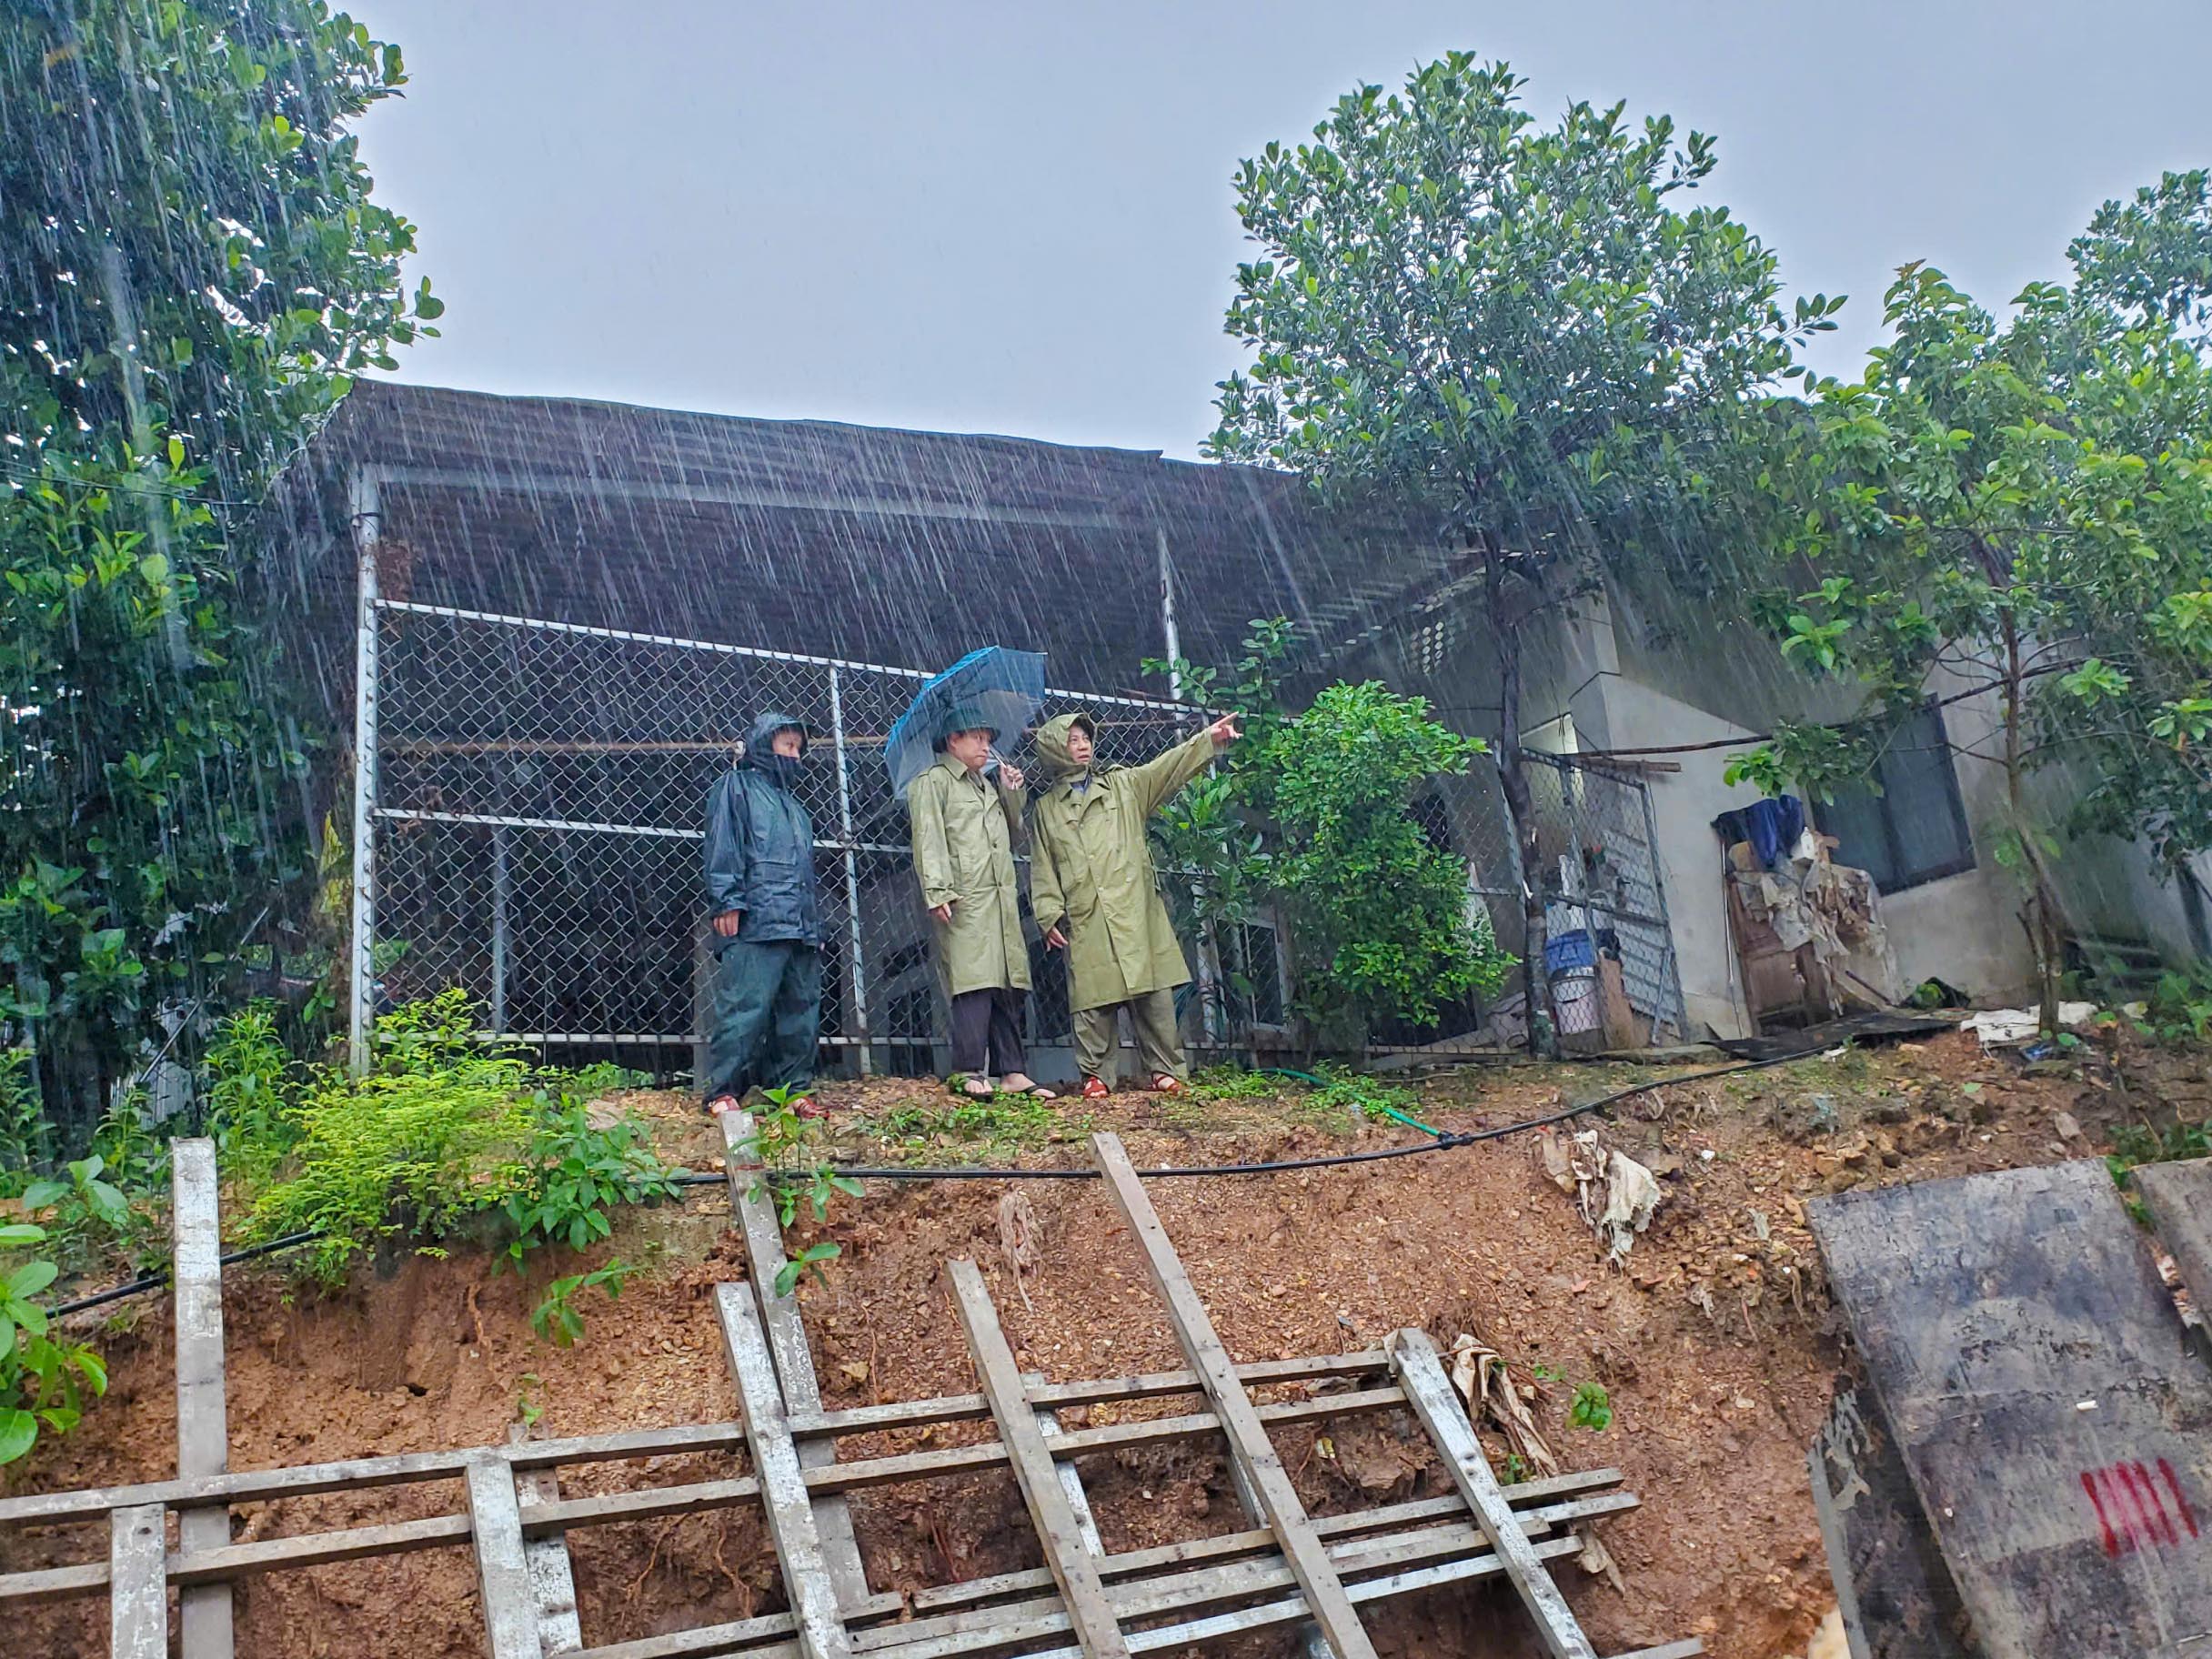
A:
x,y
195,269
1311,812
1498,328
2021,508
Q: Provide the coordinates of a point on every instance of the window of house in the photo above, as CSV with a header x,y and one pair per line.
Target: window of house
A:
x,y
1915,829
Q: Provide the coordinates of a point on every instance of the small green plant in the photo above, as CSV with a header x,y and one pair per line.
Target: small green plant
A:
x,y
86,1215
1544,1373
1233,1083
26,1140
1360,1096
807,1261
251,1082
41,1382
2180,1007
577,1171
1004,1124
1516,1468
2134,1144
604,1076
528,1410
556,1320
1593,1408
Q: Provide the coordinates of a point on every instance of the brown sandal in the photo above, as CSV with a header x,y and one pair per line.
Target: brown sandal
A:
x,y
1163,1083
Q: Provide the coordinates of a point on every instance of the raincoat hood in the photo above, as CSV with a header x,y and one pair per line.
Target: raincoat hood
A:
x,y
1052,743
761,746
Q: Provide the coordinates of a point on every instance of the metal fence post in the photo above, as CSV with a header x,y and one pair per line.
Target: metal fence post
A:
x,y
856,966
367,528
500,885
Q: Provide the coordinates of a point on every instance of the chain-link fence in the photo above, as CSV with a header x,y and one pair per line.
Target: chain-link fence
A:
x,y
538,791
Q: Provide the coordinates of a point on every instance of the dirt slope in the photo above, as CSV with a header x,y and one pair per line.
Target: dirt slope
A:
x,y
1715,1345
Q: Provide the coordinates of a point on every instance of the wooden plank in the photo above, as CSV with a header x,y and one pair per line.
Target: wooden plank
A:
x,y
2057,1431
791,1514
1257,1541
1071,1483
1892,1588
552,1577
1071,1565
503,1571
1198,1579
231,1561
2179,1198
801,1392
138,1593
1437,1404
1688,1649
1249,1446
1076,1442
1144,1385
202,1432
305,1479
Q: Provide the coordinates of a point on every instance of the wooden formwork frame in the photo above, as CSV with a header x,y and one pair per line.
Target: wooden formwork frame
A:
x,y
1288,1569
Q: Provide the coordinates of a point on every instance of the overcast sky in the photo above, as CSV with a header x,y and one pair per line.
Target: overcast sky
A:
x,y
1017,217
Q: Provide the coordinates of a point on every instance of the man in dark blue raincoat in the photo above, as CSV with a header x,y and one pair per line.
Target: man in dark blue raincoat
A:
x,y
768,930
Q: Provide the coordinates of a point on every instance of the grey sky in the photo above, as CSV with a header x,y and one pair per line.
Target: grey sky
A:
x,y
1017,217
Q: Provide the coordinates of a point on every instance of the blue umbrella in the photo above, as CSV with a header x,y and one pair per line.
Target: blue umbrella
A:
x,y
1004,689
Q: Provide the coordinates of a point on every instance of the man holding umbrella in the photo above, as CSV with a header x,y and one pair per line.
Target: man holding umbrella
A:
x,y
1092,886
761,891
966,814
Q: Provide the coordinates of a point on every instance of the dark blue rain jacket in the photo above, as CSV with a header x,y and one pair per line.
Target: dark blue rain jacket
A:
x,y
760,844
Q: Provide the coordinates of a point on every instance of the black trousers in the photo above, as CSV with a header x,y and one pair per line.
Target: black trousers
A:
x,y
987,1033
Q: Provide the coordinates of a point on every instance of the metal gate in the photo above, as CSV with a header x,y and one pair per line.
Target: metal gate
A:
x,y
1601,873
529,796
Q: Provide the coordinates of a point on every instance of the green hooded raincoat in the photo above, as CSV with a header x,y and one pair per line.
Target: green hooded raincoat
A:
x,y
1091,869
965,830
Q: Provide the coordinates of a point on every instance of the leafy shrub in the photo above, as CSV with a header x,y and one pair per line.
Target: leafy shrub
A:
x,y
42,1381
2180,1008
574,1173
25,1140
251,1082
446,1132
1313,809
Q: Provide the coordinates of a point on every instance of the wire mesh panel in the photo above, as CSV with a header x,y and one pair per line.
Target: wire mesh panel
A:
x,y
539,797
1600,877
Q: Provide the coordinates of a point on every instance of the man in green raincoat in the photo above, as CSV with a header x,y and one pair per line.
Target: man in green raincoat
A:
x,y
966,815
1096,896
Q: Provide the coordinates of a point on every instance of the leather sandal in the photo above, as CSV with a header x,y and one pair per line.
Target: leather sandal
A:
x,y
720,1104
1096,1089
1165,1083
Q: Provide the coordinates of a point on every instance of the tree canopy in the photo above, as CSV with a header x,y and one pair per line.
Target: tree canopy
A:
x,y
195,269
1500,326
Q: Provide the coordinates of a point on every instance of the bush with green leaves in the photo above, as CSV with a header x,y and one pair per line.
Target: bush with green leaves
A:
x,y
251,1080
556,1320
447,1135
1312,812
43,1381
26,1140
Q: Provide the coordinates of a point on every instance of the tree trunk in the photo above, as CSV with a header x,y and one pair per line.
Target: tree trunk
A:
x,y
2042,903
1512,778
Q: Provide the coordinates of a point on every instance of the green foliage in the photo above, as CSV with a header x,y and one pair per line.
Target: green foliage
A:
x,y
1312,810
1593,1408
43,1381
2027,505
2180,1011
604,1076
251,1082
807,1261
1003,1124
446,1132
1233,1083
196,268
26,1142
556,1320
1360,1096
575,1172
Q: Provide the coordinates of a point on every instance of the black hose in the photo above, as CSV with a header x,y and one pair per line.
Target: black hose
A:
x,y
1443,1141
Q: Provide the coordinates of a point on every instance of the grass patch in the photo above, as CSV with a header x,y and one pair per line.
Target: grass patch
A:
x,y
1005,1124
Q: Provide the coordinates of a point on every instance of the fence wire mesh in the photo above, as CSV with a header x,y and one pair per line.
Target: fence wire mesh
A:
x,y
540,789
